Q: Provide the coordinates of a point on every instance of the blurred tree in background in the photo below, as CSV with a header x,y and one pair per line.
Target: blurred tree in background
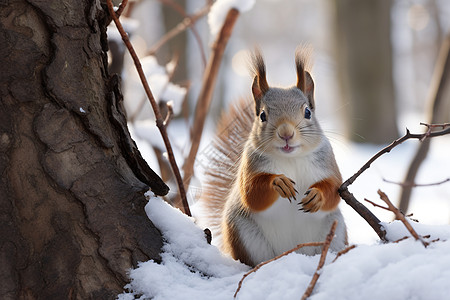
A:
x,y
364,68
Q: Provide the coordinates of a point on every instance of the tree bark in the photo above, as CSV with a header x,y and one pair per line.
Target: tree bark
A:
x,y
364,69
72,179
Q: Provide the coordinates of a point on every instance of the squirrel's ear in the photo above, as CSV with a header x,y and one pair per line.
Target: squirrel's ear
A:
x,y
259,86
304,80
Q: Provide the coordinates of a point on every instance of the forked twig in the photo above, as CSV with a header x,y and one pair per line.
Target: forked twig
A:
x,y
398,215
373,221
431,126
316,275
299,246
159,120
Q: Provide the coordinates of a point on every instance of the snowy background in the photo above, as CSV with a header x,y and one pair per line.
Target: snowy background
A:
x,y
192,269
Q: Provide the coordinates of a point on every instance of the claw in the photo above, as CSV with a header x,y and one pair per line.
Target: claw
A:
x,y
310,200
295,190
307,192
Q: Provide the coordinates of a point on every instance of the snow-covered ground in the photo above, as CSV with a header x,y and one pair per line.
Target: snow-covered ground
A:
x,y
193,269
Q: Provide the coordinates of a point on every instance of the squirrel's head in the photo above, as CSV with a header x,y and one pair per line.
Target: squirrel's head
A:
x,y
285,122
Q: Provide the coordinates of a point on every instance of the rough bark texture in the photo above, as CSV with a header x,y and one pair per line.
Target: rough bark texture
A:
x,y
72,179
364,69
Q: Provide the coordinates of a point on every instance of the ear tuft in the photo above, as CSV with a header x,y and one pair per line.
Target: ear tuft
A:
x,y
304,80
259,86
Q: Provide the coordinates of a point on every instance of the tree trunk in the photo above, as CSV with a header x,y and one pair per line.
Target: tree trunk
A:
x,y
72,180
364,69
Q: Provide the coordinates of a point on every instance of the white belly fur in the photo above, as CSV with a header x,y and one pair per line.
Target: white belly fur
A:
x,y
283,226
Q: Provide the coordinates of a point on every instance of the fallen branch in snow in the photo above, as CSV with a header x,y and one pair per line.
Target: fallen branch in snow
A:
x,y
159,120
316,275
348,197
342,252
398,215
204,99
313,244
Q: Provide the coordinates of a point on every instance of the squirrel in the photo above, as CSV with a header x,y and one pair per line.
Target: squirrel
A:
x,y
272,179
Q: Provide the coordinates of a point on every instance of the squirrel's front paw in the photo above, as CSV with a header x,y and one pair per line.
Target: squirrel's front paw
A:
x,y
312,201
284,186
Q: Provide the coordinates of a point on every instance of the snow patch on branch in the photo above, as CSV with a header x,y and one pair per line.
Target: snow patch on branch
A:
x,y
220,9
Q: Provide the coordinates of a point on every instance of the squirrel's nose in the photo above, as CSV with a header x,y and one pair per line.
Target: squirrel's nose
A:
x,y
285,132
286,137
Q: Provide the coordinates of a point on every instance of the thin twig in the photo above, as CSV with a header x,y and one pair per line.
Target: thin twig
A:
x,y
431,126
342,252
402,239
316,275
204,99
313,244
170,73
399,216
412,184
169,115
388,149
188,22
121,8
159,120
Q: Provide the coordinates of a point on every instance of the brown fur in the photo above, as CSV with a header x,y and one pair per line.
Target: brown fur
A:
x,y
323,195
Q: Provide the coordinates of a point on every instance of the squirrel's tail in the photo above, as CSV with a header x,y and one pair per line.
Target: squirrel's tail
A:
x,y
222,161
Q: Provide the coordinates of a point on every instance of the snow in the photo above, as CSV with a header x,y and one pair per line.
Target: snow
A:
x,y
220,9
161,87
192,269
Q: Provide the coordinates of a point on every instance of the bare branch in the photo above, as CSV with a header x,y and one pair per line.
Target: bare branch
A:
x,y
159,120
204,99
188,22
388,149
373,221
412,184
342,252
169,115
316,275
437,97
121,8
313,244
364,212
399,216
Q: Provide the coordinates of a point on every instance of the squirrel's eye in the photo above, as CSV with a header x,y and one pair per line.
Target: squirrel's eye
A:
x,y
307,113
263,116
